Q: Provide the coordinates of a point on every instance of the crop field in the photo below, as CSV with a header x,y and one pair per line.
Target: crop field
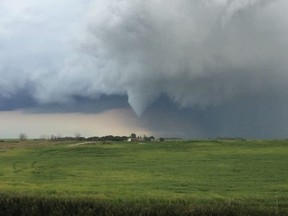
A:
x,y
213,177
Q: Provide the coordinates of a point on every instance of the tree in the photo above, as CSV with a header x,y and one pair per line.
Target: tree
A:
x,y
161,139
22,137
133,135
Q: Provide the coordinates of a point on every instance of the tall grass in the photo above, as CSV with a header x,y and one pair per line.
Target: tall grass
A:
x,y
37,205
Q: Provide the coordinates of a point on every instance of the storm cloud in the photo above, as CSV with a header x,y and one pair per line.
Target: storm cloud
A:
x,y
219,66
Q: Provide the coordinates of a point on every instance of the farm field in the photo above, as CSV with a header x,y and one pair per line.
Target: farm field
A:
x,y
205,176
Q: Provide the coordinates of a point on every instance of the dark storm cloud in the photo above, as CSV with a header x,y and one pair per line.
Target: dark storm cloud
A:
x,y
220,64
82,105
197,53
20,100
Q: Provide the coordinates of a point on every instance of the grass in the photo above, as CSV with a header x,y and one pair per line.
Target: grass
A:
x,y
198,173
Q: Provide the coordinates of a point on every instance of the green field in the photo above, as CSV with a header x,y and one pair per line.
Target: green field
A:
x,y
193,174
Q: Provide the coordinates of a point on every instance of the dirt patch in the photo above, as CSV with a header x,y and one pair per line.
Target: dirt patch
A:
x,y
81,143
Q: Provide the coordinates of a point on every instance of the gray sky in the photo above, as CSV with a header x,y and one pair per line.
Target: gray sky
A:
x,y
201,68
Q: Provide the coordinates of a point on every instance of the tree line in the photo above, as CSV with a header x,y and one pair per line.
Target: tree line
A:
x,y
78,137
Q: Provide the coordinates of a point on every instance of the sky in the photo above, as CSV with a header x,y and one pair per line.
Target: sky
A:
x,y
191,69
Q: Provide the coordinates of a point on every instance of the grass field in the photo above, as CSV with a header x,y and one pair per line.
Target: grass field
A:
x,y
251,174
